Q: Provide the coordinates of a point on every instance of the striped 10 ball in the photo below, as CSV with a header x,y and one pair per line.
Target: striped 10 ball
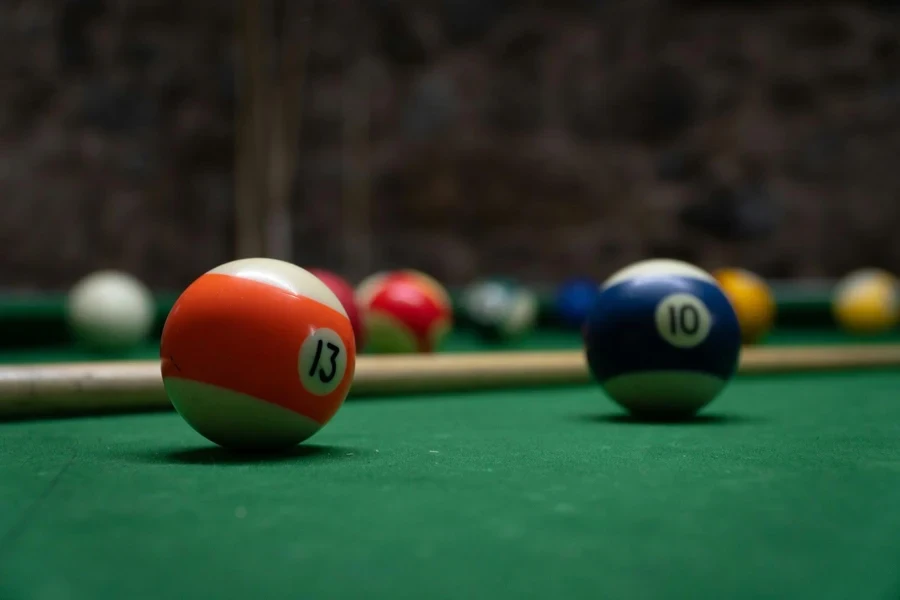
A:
x,y
663,340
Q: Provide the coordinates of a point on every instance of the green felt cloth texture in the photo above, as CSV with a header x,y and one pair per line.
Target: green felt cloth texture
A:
x,y
786,487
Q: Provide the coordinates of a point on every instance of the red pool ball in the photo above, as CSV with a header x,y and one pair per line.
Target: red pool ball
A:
x,y
404,311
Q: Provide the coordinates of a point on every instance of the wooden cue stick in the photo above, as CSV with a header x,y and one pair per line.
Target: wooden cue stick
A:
x,y
61,389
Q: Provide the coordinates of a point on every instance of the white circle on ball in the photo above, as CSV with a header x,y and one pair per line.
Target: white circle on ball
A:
x,y
683,320
322,362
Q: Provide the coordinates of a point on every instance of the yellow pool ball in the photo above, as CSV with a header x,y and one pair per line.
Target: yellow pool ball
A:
x,y
752,300
867,302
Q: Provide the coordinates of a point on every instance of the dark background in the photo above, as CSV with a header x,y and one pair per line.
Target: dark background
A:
x,y
533,139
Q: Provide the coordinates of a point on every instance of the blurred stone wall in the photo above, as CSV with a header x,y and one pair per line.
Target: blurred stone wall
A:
x,y
462,137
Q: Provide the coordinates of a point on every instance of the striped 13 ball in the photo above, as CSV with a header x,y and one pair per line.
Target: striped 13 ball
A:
x,y
662,339
257,354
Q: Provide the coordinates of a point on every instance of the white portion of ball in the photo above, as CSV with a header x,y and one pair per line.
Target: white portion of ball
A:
x,y
284,275
236,420
110,310
664,394
322,362
865,283
369,286
658,266
486,301
860,276
513,310
522,314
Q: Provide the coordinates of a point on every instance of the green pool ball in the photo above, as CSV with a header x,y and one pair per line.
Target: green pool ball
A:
x,y
499,309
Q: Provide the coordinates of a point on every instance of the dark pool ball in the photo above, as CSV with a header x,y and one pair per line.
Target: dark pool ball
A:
x,y
500,310
574,300
662,340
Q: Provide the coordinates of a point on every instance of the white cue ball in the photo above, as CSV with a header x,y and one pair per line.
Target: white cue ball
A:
x,y
110,311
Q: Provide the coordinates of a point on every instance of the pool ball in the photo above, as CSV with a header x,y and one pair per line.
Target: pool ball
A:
x,y
347,295
662,339
867,302
404,311
500,310
752,300
110,311
257,354
574,300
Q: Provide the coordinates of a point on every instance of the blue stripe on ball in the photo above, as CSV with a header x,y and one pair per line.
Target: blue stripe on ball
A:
x,y
621,334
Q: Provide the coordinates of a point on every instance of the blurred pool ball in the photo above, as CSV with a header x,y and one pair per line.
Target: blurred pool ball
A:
x,y
257,354
752,300
574,300
867,301
500,310
347,295
404,311
110,311
662,339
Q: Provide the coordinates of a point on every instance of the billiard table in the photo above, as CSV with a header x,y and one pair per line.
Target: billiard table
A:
x,y
787,486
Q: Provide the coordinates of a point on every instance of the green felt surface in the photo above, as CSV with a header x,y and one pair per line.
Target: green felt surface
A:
x,y
787,487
